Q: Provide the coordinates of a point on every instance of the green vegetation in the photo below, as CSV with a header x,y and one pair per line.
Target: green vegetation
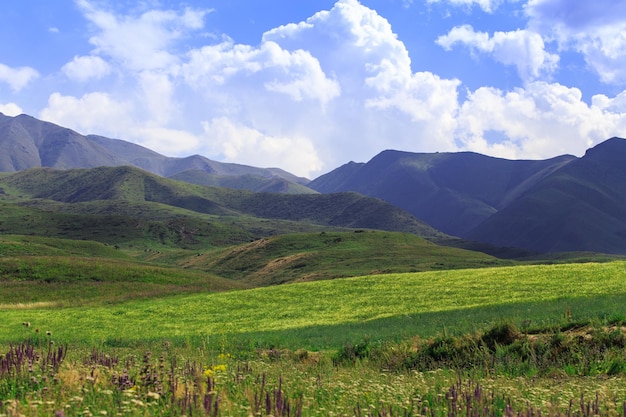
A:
x,y
488,341
146,297
327,314
326,255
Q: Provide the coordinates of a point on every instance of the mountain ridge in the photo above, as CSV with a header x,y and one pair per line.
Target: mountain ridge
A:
x,y
563,203
26,142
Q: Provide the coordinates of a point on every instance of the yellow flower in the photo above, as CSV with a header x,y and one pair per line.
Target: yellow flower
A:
x,y
211,371
219,368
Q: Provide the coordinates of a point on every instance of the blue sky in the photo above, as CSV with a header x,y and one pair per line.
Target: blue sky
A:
x,y
309,85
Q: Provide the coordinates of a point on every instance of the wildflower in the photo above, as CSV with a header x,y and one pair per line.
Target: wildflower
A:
x,y
153,395
220,368
211,371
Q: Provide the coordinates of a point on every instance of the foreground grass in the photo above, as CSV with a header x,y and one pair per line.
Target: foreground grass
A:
x,y
327,314
223,354
63,381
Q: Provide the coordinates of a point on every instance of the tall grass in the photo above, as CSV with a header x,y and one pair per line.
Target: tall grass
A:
x,y
40,379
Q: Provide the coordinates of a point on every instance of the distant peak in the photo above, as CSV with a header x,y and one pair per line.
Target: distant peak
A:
x,y
611,149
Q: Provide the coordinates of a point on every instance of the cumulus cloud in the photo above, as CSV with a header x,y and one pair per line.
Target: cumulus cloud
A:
x,y
242,144
522,48
340,76
141,42
538,121
297,74
109,116
10,109
597,29
92,113
17,78
84,68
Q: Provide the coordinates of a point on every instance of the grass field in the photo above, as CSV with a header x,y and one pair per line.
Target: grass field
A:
x,y
89,329
327,314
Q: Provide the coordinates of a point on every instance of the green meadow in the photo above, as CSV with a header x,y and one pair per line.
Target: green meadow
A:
x,y
89,329
326,314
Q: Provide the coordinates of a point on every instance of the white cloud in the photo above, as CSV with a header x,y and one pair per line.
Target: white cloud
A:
x,y
93,113
11,109
141,42
17,78
156,93
297,74
522,48
100,113
597,29
166,141
341,79
84,68
539,121
242,144
312,95
614,105
488,6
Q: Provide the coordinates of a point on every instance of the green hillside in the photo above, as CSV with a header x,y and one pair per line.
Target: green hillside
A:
x,y
140,196
243,182
325,314
326,255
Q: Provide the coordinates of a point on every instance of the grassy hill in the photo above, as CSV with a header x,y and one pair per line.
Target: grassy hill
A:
x,y
145,204
327,255
243,182
37,271
328,314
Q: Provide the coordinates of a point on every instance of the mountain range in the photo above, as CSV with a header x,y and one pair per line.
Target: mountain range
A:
x,y
26,142
560,204
565,203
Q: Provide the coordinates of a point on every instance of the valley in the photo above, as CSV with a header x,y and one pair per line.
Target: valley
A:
x,y
241,291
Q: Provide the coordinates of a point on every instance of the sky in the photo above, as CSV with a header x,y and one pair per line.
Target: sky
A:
x,y
308,85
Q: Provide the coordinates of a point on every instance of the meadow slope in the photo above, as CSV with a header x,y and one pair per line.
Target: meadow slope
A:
x,y
327,314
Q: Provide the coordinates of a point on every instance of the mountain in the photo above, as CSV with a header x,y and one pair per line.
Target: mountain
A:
x,y
131,192
560,204
26,142
453,192
579,207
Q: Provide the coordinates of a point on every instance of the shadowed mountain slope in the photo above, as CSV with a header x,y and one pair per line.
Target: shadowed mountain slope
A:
x,y
579,207
454,192
560,204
